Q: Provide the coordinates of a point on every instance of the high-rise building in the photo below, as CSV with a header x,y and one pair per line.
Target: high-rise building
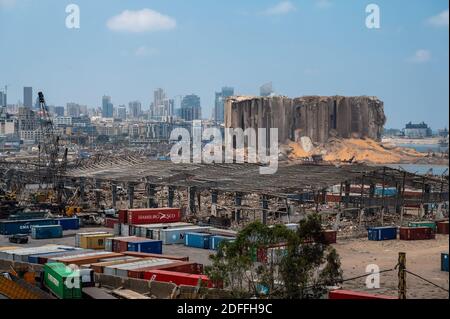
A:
x,y
107,107
58,110
122,112
73,109
219,111
266,89
161,106
190,108
28,97
3,99
135,109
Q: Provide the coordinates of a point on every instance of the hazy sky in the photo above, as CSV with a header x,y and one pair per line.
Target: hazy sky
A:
x,y
126,49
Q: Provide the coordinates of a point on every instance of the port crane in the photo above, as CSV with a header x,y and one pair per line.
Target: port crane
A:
x,y
51,166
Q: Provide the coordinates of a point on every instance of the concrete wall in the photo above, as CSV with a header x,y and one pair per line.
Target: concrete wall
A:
x,y
315,116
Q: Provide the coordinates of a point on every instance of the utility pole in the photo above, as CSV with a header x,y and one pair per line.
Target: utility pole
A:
x,y
401,275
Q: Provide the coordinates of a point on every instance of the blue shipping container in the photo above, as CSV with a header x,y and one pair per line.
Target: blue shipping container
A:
x,y
69,223
197,240
146,246
444,262
23,226
46,232
216,240
388,191
382,233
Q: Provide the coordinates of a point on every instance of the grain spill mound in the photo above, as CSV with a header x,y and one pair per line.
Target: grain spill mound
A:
x,y
353,149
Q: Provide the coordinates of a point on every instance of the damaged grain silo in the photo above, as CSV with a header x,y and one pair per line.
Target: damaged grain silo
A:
x,y
318,117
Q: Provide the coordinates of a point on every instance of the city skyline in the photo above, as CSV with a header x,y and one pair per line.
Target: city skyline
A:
x,y
405,63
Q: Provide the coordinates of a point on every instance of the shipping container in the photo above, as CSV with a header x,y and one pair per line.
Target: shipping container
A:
x,y
222,232
147,255
423,224
87,278
146,246
23,254
14,227
182,267
329,237
124,230
79,235
442,227
416,233
153,216
96,241
46,232
179,278
110,222
99,267
62,281
72,223
354,295
444,262
123,269
176,235
216,240
123,216
44,257
382,233
85,258
27,215
117,229
197,240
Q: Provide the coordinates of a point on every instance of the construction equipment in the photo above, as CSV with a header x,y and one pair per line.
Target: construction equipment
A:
x,y
18,239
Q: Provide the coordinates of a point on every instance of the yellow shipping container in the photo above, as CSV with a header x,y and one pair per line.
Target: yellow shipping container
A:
x,y
94,241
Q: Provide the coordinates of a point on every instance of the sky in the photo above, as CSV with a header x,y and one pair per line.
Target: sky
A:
x,y
127,49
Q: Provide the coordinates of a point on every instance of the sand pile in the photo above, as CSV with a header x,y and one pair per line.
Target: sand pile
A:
x,y
353,149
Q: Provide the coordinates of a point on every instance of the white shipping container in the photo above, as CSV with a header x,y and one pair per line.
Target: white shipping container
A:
x,y
124,230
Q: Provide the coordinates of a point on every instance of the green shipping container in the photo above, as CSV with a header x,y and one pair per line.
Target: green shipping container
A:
x,y
423,224
62,281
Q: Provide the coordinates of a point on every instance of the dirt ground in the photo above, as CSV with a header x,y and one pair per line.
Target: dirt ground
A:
x,y
422,258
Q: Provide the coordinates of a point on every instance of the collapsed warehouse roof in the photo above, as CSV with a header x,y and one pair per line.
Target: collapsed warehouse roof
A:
x,y
245,178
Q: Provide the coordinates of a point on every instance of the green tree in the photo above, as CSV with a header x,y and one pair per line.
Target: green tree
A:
x,y
301,268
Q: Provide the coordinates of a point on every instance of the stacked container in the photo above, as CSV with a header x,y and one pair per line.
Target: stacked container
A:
x,y
153,216
13,227
178,278
72,223
176,235
442,227
93,241
430,224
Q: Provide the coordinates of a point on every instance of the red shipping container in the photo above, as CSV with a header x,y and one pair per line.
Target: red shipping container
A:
x,y
179,278
123,216
416,233
442,228
153,216
147,255
181,267
329,237
354,295
120,245
110,222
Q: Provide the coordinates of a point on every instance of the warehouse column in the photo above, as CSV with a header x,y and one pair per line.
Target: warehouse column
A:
x,y
130,195
171,196
82,185
214,197
347,193
151,192
238,204
114,194
427,190
265,207
98,193
371,197
191,191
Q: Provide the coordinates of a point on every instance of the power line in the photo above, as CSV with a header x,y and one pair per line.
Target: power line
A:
x,y
431,283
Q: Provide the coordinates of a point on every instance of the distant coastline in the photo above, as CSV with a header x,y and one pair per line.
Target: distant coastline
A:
x,y
416,141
